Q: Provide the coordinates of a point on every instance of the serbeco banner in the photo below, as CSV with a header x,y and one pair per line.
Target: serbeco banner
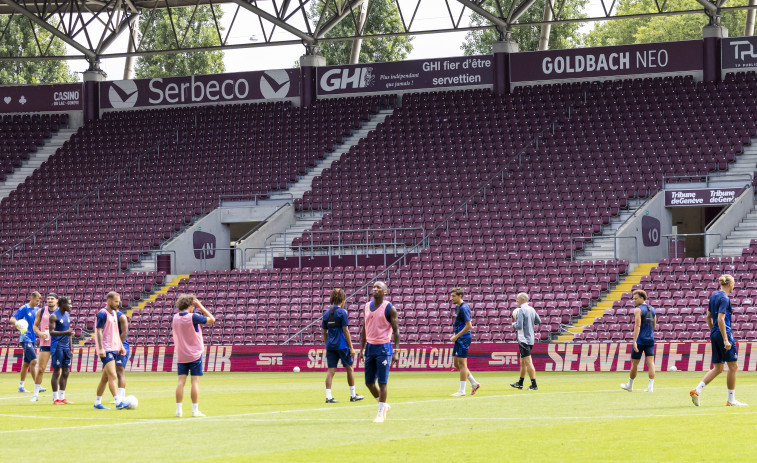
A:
x,y
702,197
738,53
406,75
34,98
611,356
606,61
214,88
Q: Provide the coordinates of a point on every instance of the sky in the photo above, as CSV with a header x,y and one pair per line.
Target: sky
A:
x,y
428,17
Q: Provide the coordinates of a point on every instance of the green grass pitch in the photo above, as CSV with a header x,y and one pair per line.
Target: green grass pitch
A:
x,y
280,417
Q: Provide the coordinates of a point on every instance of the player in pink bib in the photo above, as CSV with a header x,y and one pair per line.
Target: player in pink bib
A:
x,y
376,345
42,329
189,347
108,347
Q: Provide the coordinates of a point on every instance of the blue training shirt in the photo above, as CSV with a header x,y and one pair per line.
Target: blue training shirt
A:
x,y
28,313
719,303
462,315
335,339
62,323
646,330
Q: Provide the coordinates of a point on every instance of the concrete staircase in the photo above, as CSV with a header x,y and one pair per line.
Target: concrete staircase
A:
x,y
277,242
304,183
35,160
746,163
616,294
739,238
603,248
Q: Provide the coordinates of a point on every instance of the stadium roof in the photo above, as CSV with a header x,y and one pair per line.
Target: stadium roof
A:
x,y
92,26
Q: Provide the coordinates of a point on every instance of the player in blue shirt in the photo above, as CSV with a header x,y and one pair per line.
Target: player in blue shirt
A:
x,y
724,349
462,339
27,338
60,348
645,322
336,335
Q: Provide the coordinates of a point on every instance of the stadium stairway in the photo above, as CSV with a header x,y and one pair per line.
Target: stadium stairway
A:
x,y
603,248
741,237
28,167
301,224
633,278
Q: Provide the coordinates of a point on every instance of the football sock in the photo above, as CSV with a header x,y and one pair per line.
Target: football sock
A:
x,y
472,380
37,388
700,386
651,383
178,408
381,407
98,400
520,381
328,394
121,394
533,382
55,395
462,387
731,395
196,407
61,395
20,384
352,391
630,382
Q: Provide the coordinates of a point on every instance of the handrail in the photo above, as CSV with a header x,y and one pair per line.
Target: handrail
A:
x,y
673,236
204,260
515,159
327,247
614,246
359,230
708,178
105,183
155,253
261,223
635,213
254,196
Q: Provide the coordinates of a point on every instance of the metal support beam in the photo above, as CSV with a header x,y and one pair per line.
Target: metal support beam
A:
x,y
274,20
708,6
126,23
36,20
522,8
331,23
496,20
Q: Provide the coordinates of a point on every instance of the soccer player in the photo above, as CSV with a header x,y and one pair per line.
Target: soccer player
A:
x,y
375,345
525,321
724,349
108,346
122,360
42,329
462,339
336,336
28,337
645,322
60,347
189,347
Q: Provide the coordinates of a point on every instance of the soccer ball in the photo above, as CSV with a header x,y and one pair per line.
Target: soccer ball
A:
x,y
515,313
132,401
673,368
296,369
22,326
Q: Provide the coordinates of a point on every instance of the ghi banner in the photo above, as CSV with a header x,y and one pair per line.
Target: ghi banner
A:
x,y
192,90
612,356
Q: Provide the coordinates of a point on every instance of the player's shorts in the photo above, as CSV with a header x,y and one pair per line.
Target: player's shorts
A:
x,y
461,348
193,368
62,357
378,359
525,349
29,352
110,356
44,349
122,360
334,355
719,354
646,349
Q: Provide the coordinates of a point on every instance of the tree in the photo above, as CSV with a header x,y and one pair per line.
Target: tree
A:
x,y
19,40
193,28
660,28
382,17
480,42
